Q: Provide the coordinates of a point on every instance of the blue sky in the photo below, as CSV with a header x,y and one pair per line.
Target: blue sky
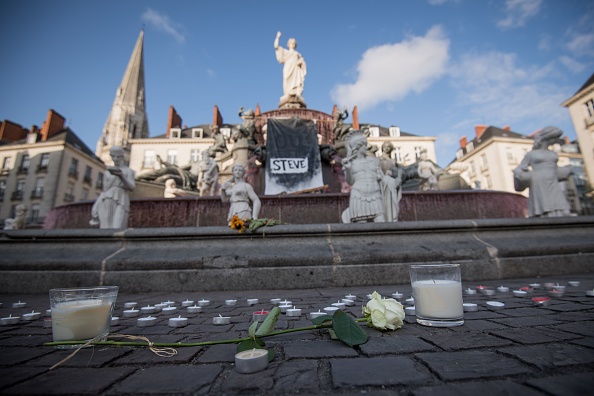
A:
x,y
431,67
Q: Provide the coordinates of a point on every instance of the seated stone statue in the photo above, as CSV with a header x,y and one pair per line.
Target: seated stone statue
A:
x,y
428,174
171,190
220,145
240,194
20,221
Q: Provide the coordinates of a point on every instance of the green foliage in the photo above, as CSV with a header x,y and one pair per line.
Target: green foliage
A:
x,y
347,330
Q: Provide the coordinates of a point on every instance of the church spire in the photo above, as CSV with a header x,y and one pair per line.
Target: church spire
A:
x,y
127,118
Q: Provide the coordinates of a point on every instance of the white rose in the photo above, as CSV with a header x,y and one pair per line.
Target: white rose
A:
x,y
383,314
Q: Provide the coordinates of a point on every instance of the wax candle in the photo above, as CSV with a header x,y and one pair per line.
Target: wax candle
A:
x,y
260,316
203,303
130,313
251,361
495,305
293,312
130,305
541,301
48,312
559,288
410,301
230,302
194,309
534,285
351,296
479,288
169,302
149,309
330,310
160,306
221,320
488,292
81,319
590,293
397,296
556,293
146,322
275,301
548,286
438,299
313,315
527,289
115,320
369,296
519,293
283,308
285,302
19,304
410,311
169,310
348,302
252,301
10,320
339,305
31,316
503,289
178,322
469,307
573,283
187,303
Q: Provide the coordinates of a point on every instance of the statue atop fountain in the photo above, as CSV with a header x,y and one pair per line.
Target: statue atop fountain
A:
x,y
294,71
220,145
428,173
20,219
240,194
209,175
171,190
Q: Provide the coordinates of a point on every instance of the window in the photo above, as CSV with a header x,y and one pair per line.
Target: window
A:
x,y
25,162
38,191
172,156
2,189
195,155
397,155
459,154
85,194
509,155
489,184
418,150
149,159
472,168
374,132
73,171
590,107
69,195
6,163
99,184
484,163
175,133
35,209
43,164
88,172
469,147
20,186
197,133
17,194
394,131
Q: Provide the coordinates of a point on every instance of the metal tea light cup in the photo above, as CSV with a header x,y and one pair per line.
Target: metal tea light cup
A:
x,y
437,292
82,313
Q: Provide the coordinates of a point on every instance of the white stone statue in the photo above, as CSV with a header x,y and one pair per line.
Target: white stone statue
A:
x,y
240,194
294,71
111,208
427,173
374,196
171,190
539,172
208,176
20,219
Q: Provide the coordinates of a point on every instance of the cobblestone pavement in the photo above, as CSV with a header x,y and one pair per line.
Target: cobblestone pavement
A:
x,y
521,349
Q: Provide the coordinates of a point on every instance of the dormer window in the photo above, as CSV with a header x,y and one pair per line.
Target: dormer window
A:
x,y
31,138
394,131
469,147
197,133
373,132
459,154
175,133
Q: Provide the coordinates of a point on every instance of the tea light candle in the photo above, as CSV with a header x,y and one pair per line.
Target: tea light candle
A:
x,y
47,322
230,302
541,301
519,293
469,307
313,315
169,310
573,283
348,302
115,320
178,322
535,285
548,286
397,296
260,316
527,289
488,292
503,289
410,301
31,316
247,362
495,305
221,320
130,305
294,312
203,303
559,288
369,296
194,309
351,296
252,301
187,303
556,293
19,304
285,302
146,322
10,320
48,312
160,306
339,305
275,301
479,288
330,310
130,313
410,311
283,308
469,292
148,309
590,293
169,302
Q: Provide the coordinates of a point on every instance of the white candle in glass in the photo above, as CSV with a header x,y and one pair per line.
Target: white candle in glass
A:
x,y
80,319
438,299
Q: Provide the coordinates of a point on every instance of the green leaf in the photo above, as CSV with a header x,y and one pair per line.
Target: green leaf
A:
x,y
321,319
332,334
271,355
250,344
269,323
347,330
252,329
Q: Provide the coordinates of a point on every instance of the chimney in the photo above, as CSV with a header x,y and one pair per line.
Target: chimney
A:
x,y
217,117
173,121
258,112
463,142
53,125
479,129
11,132
355,118
507,128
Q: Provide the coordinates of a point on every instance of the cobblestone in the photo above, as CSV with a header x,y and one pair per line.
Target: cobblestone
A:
x,y
521,349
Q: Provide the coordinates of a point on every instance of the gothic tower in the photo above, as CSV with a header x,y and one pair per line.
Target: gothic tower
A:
x,y
127,119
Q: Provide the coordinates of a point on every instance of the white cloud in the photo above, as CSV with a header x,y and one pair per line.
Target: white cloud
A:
x,y
581,44
389,72
163,23
571,64
518,12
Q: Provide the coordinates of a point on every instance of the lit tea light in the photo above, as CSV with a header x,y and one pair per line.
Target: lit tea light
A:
x,y
260,316
470,307
313,315
178,322
574,283
149,309
230,302
221,320
397,296
275,301
146,322
410,311
203,303
31,316
527,289
556,293
19,304
251,361
469,292
294,312
503,289
519,293
169,310
187,303
283,308
495,305
10,320
348,302
330,310
130,305
130,313
194,309
479,288
115,320
541,301
252,301
339,305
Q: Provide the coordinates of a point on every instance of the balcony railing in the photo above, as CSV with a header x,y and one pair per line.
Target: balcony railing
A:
x,y
88,180
17,195
23,170
42,168
4,172
73,173
68,197
37,193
